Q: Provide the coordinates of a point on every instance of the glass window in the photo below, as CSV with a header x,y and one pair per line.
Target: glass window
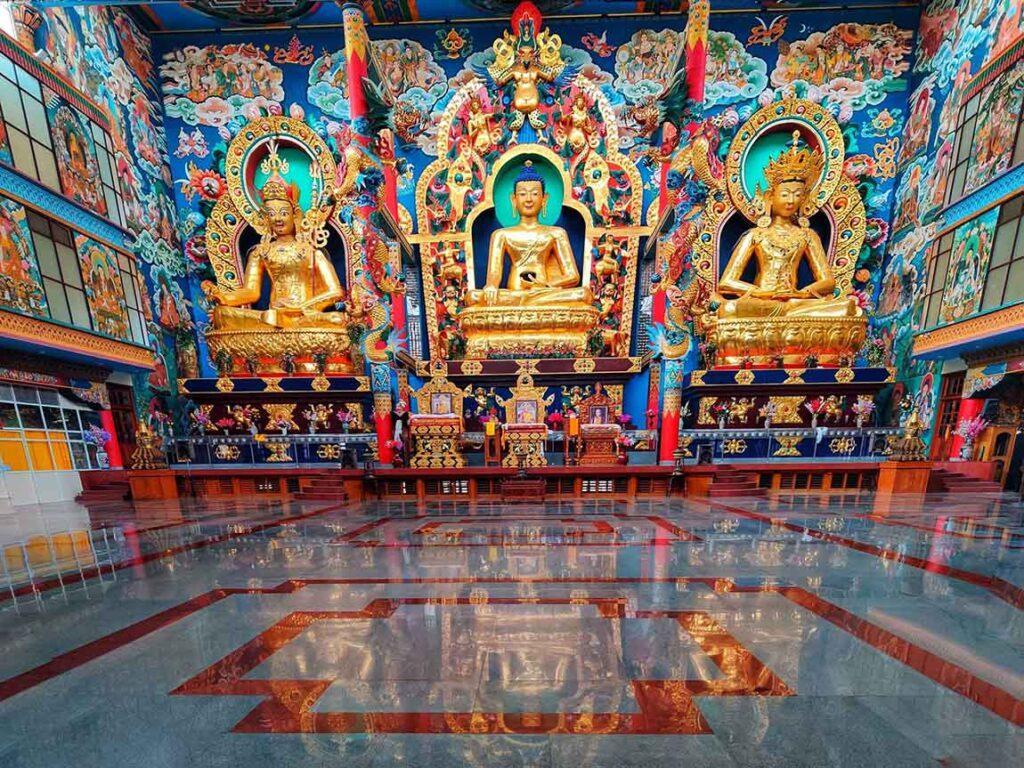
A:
x,y
1004,283
31,416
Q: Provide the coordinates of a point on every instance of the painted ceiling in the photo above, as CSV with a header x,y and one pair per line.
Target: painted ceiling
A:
x,y
207,14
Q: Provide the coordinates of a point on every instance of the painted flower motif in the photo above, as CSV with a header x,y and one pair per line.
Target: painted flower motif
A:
x,y
877,230
453,43
858,166
885,122
204,182
862,275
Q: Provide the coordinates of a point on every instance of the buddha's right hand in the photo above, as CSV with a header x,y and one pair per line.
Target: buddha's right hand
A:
x,y
490,294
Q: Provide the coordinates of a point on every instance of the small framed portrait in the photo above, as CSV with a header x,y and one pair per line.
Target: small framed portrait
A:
x,y
526,412
599,414
441,402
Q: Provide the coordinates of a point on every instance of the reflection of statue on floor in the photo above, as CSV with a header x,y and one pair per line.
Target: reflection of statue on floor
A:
x,y
303,280
543,268
779,244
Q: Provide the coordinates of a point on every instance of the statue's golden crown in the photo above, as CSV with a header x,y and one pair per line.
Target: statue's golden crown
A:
x,y
276,187
795,164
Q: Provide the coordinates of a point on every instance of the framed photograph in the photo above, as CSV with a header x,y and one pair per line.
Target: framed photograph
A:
x,y
441,402
526,412
599,414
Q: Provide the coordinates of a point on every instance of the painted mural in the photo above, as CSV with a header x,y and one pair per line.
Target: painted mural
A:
x,y
968,265
101,50
75,149
103,287
20,284
954,41
859,68
995,137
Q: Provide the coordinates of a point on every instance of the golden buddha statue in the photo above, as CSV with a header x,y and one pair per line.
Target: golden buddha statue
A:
x,y
302,279
543,267
773,315
303,285
542,276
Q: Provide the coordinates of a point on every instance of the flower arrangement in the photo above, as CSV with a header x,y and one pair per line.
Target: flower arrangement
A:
x,y
318,415
721,413
281,423
969,429
96,436
200,418
624,441
767,412
862,409
555,419
160,420
243,415
624,419
225,423
816,407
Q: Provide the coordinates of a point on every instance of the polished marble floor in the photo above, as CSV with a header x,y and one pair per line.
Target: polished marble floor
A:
x,y
800,630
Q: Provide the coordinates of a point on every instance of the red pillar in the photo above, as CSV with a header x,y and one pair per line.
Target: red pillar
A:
x,y
969,408
113,447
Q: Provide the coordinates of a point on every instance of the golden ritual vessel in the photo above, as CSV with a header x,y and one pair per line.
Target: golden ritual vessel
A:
x,y
770,315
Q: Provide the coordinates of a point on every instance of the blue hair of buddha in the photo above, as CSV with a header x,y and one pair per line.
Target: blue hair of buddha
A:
x,y
528,173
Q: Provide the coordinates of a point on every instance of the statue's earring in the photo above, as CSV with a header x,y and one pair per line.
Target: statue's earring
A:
x,y
803,221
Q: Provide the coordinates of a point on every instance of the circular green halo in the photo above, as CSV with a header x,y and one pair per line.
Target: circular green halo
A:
x,y
505,181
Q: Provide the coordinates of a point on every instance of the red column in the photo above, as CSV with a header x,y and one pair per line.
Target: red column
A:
x,y
969,408
113,447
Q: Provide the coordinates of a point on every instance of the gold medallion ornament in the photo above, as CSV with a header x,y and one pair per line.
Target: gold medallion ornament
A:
x,y
734,446
845,375
842,446
787,446
744,376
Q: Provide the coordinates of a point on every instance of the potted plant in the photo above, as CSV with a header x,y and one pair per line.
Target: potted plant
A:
x,y
969,429
622,445
816,408
99,438
862,410
721,412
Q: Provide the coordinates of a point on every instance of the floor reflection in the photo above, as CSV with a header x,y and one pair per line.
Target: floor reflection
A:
x,y
794,630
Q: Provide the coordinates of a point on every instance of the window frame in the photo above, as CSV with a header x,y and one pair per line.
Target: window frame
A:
x,y
1011,217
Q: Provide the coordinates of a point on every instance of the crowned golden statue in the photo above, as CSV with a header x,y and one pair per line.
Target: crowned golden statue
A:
x,y
773,315
543,298
303,283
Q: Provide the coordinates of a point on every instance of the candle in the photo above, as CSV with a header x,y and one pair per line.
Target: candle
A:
x,y
574,426
490,427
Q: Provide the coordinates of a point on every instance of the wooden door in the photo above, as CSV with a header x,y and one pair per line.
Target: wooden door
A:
x,y
122,408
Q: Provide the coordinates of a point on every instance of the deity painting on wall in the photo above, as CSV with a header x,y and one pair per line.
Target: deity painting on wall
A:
x,y
968,265
103,287
20,283
995,136
76,153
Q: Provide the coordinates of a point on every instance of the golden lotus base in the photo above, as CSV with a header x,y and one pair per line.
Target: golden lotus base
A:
x,y
527,331
268,347
795,338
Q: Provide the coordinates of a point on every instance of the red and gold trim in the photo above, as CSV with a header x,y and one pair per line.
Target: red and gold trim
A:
x,y
32,330
1006,320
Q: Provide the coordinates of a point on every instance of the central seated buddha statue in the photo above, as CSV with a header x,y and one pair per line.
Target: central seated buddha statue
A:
x,y
773,315
543,301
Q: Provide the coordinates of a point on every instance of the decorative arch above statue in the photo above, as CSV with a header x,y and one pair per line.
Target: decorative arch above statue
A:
x,y
527,104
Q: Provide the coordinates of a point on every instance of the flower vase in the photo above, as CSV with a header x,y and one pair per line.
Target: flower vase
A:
x,y
814,421
284,432
721,423
102,459
312,429
344,427
967,450
860,422
622,458
767,424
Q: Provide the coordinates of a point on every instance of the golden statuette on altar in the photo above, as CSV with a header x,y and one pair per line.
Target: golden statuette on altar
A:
x,y
770,314
543,299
